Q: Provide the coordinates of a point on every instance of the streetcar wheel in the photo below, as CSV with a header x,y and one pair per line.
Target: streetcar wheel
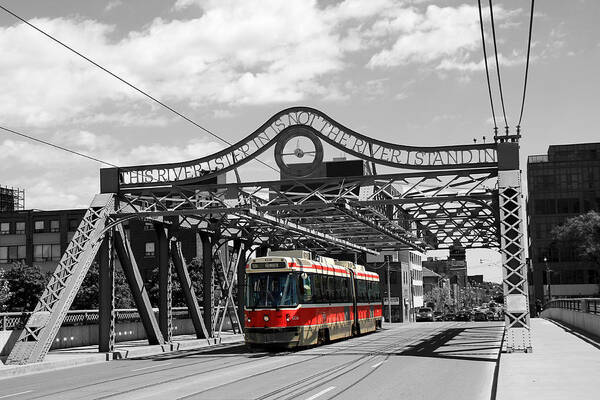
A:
x,y
323,337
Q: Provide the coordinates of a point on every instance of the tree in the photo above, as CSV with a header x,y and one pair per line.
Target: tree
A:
x,y
582,233
26,284
178,297
440,296
4,291
88,296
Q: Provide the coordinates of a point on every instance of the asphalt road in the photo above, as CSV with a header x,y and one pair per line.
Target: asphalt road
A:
x,y
427,360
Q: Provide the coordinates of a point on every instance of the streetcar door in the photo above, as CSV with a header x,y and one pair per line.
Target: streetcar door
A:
x,y
354,301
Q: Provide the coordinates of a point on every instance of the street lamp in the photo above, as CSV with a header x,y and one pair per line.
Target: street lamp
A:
x,y
548,271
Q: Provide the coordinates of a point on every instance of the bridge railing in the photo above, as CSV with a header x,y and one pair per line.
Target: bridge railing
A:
x,y
586,305
16,320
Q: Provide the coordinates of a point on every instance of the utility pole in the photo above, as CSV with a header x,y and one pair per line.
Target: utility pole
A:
x,y
548,271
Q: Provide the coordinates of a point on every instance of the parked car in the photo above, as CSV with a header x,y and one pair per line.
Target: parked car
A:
x,y
480,316
492,315
463,315
450,316
425,314
438,316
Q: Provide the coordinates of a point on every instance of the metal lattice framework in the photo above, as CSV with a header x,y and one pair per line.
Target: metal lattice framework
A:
x,y
43,324
468,195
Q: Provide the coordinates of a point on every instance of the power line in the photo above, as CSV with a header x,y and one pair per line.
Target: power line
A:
x,y
487,72
131,85
526,65
498,66
57,146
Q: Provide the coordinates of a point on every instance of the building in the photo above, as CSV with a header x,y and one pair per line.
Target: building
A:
x,y
562,184
402,308
11,199
430,280
41,237
415,262
475,280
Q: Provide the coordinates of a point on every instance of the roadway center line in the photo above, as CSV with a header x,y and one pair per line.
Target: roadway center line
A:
x,y
377,365
152,366
322,392
15,394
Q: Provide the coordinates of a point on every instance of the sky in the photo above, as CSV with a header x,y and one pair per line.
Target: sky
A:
x,y
408,72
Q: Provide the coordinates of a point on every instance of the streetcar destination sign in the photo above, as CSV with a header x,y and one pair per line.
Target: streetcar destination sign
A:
x,y
325,128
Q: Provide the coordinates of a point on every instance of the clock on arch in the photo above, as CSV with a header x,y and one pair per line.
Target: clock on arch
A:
x,y
298,151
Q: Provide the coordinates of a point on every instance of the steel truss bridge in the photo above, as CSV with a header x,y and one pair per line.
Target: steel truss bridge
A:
x,y
435,198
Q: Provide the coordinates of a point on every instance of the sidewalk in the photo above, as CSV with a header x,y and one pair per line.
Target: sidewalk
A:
x,y
564,365
76,356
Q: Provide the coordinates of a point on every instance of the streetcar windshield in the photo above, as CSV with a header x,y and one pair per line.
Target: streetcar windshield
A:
x,y
272,289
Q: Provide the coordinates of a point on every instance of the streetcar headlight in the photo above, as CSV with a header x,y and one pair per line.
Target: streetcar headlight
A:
x,y
287,317
266,317
248,319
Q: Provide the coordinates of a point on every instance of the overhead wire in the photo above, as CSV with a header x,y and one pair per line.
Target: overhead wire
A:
x,y
498,66
126,82
526,66
57,146
487,72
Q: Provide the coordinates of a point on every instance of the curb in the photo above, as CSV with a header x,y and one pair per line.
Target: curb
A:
x,y
13,371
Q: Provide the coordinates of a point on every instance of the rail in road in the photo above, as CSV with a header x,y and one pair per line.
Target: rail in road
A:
x,y
450,360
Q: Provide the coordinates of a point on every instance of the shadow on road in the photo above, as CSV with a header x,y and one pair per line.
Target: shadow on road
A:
x,y
469,343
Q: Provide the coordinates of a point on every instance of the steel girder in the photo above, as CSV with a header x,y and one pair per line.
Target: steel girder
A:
x,y
399,211
43,324
512,248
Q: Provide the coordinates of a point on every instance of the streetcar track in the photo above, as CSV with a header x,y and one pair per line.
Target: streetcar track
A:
x,y
361,361
273,369
371,354
203,372
212,370
205,360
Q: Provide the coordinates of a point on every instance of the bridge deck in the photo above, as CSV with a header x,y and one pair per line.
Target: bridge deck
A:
x,y
423,360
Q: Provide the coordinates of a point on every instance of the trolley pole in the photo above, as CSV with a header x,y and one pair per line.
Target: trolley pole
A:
x,y
387,260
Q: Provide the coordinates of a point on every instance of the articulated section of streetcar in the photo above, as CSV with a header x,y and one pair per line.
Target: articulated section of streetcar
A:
x,y
294,301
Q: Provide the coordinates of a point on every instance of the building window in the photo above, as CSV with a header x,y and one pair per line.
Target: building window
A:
x,y
46,252
149,250
148,226
73,225
4,228
20,228
9,254
38,226
54,226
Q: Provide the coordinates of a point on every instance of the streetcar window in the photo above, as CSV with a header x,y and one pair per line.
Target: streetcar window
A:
x,y
273,289
317,288
306,291
362,295
338,289
345,293
373,291
331,292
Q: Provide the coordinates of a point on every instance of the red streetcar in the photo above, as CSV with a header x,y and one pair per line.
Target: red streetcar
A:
x,y
293,301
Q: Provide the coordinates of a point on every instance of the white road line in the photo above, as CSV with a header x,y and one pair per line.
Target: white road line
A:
x,y
322,392
15,394
152,366
377,365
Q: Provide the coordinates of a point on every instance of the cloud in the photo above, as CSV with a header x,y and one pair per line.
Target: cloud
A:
x,y
112,5
438,34
54,179
251,52
464,65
